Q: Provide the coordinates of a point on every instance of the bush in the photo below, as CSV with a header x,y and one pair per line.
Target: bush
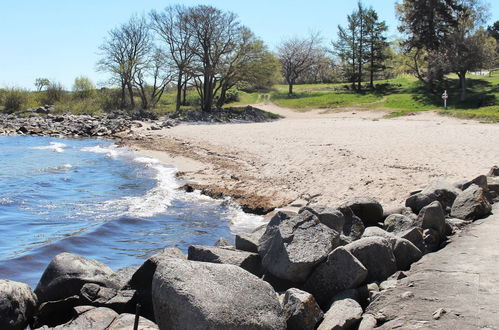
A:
x,y
15,99
83,87
54,93
232,95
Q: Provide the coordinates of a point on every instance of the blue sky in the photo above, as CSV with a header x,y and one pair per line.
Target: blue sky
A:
x,y
59,39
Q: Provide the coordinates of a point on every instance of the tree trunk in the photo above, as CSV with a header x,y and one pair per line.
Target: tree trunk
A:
x,y
130,92
207,101
462,84
123,95
371,80
179,93
290,89
222,98
359,60
184,97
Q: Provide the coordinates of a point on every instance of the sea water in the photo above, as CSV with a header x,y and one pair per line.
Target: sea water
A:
x,y
94,199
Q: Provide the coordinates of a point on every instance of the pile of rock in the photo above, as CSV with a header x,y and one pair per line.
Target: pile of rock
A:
x,y
318,267
65,125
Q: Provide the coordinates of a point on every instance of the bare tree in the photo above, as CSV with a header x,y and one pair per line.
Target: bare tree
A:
x,y
171,26
297,56
152,78
125,52
214,37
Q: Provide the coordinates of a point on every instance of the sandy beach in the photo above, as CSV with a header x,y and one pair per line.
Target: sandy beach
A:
x,y
324,157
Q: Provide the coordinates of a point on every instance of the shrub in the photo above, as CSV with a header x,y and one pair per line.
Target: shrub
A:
x,y
15,99
54,93
83,87
232,95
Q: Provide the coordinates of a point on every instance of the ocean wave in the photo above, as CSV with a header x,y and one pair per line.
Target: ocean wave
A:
x,y
240,221
155,200
54,146
111,151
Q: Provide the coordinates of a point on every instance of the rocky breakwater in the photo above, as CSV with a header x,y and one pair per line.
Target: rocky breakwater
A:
x,y
64,125
318,268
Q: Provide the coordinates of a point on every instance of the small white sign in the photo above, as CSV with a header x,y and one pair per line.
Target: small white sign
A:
x,y
445,96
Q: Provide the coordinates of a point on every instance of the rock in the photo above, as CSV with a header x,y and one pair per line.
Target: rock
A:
x,y
376,254
397,223
431,240
353,227
471,204
53,313
249,241
123,275
395,210
415,236
368,322
291,247
441,191
301,310
332,218
141,280
67,273
121,301
126,321
388,284
96,319
339,272
221,242
367,209
378,232
458,223
354,294
494,171
405,254
480,181
432,216
343,314
201,295
17,305
246,260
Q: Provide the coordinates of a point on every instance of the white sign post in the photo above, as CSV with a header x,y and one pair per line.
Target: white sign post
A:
x,y
445,97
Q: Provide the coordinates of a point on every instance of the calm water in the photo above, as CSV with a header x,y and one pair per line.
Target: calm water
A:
x,y
94,199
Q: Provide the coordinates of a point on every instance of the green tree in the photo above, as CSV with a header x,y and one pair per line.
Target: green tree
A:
x,y
83,87
377,45
427,24
41,83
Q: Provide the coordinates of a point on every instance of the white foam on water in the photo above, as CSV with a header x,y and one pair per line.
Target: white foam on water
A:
x,y
240,221
159,198
154,201
111,151
54,146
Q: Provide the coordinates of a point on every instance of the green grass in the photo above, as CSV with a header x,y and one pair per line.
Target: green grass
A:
x,y
399,96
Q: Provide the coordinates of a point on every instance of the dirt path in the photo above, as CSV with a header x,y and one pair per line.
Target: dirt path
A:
x,y
462,278
325,158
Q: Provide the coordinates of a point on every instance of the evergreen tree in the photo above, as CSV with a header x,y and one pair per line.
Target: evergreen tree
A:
x,y
376,40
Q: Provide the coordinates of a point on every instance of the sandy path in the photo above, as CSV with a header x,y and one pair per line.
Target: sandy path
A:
x,y
326,158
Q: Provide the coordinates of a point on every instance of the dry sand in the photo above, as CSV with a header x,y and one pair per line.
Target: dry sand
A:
x,y
326,158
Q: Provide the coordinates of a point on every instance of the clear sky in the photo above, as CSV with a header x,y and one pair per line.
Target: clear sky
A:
x,y
59,39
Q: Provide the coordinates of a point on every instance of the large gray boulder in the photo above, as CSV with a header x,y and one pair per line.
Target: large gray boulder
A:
x,y
333,218
292,247
67,273
339,272
396,223
444,192
249,241
405,254
301,310
471,204
246,260
367,209
376,254
201,295
141,280
344,314
432,216
17,305
353,228
121,301
480,181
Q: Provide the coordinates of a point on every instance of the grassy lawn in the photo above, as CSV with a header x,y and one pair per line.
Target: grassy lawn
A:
x,y
398,96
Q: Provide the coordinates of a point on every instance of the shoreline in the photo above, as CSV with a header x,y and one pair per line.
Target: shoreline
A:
x,y
319,157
